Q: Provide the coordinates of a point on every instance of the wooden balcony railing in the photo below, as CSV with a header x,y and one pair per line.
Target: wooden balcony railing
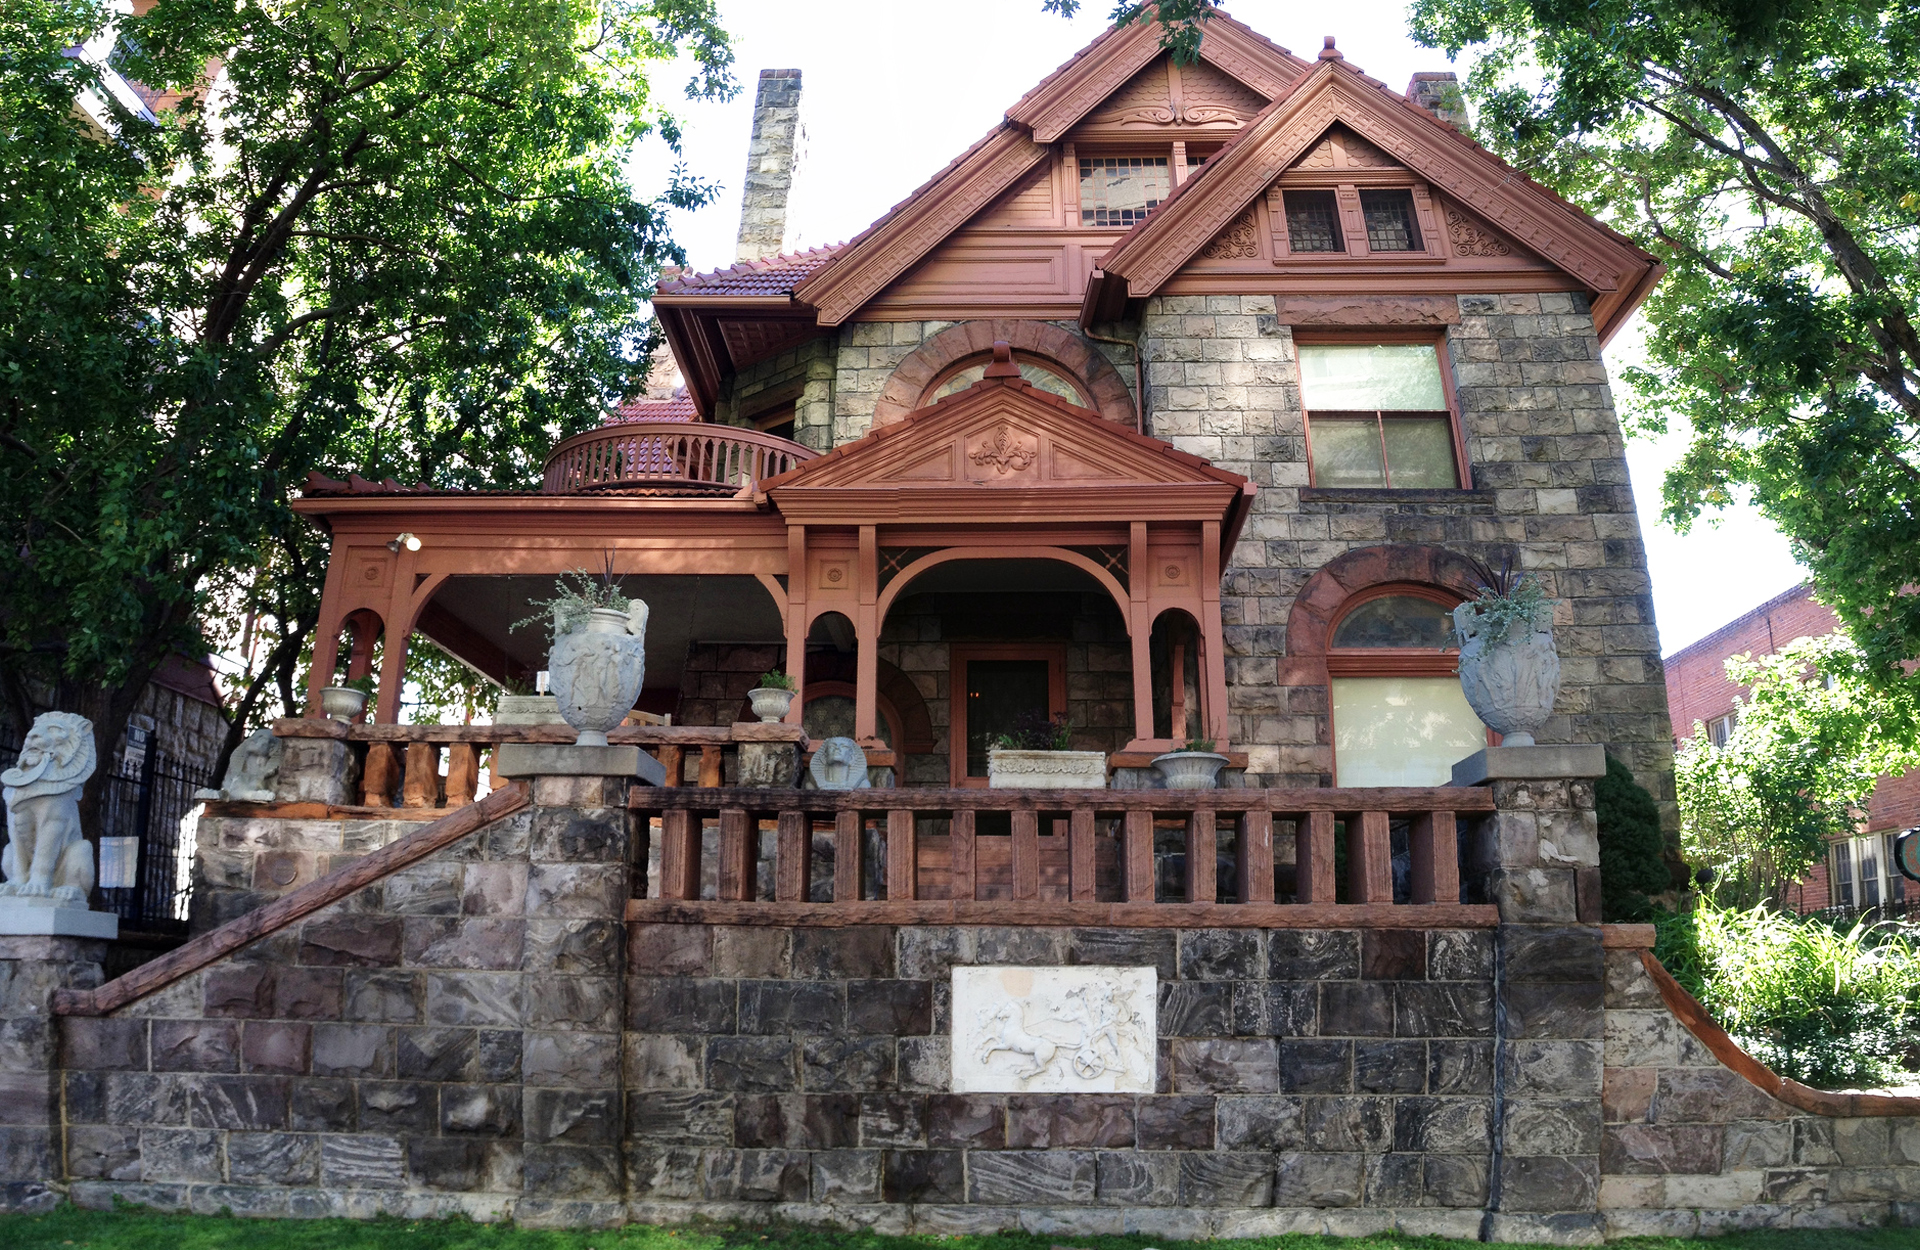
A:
x,y
723,458
1152,857
402,764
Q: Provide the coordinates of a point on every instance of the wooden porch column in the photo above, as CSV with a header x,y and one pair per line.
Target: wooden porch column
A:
x,y
393,667
326,638
866,630
1213,643
1140,630
797,619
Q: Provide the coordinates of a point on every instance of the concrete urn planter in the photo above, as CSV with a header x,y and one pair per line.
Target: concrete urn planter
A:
x,y
342,703
1046,770
770,703
1190,770
1511,684
596,670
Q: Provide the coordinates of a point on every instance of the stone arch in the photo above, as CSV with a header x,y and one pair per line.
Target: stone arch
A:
x,y
1318,605
912,376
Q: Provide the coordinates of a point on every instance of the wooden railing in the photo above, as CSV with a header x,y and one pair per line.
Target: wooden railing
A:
x,y
402,764
1015,856
669,453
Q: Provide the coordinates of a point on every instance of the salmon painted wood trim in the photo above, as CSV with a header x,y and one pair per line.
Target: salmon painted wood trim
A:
x,y
1153,251
289,908
1687,1009
1399,801
916,226
1074,914
637,735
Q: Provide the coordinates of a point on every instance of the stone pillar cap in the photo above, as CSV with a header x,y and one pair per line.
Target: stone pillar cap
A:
x,y
1534,763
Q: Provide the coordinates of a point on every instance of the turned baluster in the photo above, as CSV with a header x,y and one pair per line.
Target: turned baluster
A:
x,y
422,786
674,761
710,767
378,775
463,773
679,855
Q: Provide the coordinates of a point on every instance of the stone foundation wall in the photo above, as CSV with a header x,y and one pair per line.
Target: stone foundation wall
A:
x,y
1308,1080
1694,1148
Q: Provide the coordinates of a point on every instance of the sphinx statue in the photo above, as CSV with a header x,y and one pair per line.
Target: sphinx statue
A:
x,y
251,771
46,853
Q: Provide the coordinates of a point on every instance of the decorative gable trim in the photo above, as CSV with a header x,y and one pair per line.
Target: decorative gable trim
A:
x,y
1050,109
1333,93
918,225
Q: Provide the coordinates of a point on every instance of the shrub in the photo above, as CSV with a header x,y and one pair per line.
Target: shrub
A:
x,y
1828,1007
1631,862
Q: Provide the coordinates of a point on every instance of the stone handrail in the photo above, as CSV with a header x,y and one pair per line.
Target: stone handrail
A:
x,y
669,453
407,757
930,876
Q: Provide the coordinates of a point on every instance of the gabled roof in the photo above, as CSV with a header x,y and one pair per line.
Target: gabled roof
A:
x,y
678,408
1042,459
945,202
770,275
1147,256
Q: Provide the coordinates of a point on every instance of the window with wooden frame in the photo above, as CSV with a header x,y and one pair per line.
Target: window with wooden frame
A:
x,y
1120,191
1399,716
994,687
1313,222
1379,415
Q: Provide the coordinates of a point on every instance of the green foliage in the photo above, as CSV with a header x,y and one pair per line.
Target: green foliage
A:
x,y
1182,22
365,684
1500,612
1034,732
396,238
1765,153
1828,1007
1814,734
443,691
1631,862
1198,744
774,679
576,594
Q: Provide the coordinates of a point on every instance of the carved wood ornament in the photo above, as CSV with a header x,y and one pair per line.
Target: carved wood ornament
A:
x,y
1005,451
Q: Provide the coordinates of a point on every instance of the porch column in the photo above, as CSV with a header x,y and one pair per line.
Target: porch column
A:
x,y
797,619
1140,630
866,630
1213,643
326,638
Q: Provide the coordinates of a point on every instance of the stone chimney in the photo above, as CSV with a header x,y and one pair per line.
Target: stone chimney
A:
x,y
773,159
1439,94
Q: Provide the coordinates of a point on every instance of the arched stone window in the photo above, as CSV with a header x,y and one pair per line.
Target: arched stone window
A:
x,y
1399,717
1046,375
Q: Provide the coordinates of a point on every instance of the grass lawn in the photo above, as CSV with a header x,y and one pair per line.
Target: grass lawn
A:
x,y
135,1229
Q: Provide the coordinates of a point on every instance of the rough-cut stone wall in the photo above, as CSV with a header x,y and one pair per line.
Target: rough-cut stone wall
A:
x,y
1549,480
31,970
444,1040
245,861
801,375
1308,1081
1692,1148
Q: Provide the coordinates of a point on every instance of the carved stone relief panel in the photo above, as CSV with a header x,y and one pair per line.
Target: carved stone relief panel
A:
x,y
1079,1030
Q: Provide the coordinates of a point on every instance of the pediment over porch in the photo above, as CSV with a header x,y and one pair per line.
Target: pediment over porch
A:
x,y
1003,451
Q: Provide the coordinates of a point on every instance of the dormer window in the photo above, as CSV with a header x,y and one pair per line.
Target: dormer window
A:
x,y
1120,191
1391,225
1313,222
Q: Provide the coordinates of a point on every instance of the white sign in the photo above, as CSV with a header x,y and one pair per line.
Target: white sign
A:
x,y
119,862
1078,1030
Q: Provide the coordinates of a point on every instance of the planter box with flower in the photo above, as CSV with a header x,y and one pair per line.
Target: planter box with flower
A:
x,y
1195,766
773,697
1034,756
1509,669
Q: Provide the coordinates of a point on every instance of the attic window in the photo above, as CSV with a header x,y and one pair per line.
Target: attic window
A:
x,y
1122,190
1390,222
1313,222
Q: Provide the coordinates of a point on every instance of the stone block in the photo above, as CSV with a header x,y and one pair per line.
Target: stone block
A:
x,y
671,950
681,1005
481,1110
238,1102
854,953
1122,1178
1444,1009
576,947
659,1061
1552,953
1313,954
1552,1126
316,770
309,994
1541,762
103,1044
1276,1008
399,1106
591,891
243,990
582,1117
1441,1125
925,1176
1571,1010
1028,1177
353,1050
1455,1180
1179,1122
1356,1009
572,1172
493,889
1713,1096
437,1054
1317,1180
893,1007
1552,1068
681,1119
572,1059
1224,1065
1393,955
430,888
1549,1184
1314,1066
95,1152
1040,1122
478,943
1225,1180
978,1121
273,1158
195,1046
351,940
475,999
1393,1180
847,1063
500,1054
752,1064
749,951
586,1003
463,1166
326,1106
1124,948
1200,1008
663,1173
383,997
1390,1067
849,1176
1222,955
817,1007
1750,1144
182,1155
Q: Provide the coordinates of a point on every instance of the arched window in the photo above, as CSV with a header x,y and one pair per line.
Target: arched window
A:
x,y
1044,374
1399,717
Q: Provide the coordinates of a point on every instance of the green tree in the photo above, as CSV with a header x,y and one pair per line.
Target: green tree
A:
x,y
1633,864
390,237
1764,149
1813,735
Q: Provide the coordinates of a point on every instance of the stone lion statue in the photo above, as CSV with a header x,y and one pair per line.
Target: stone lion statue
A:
x,y
46,853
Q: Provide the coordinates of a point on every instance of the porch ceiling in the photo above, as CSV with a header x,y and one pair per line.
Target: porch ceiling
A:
x,y
472,617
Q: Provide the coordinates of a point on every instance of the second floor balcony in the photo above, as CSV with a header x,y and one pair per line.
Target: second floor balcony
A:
x,y
691,457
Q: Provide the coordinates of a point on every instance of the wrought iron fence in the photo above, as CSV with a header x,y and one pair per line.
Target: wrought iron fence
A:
x,y
146,798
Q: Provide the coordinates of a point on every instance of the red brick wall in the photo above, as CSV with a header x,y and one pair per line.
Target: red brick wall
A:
x,y
1698,689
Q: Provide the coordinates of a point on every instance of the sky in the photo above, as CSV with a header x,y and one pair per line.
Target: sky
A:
x,y
894,89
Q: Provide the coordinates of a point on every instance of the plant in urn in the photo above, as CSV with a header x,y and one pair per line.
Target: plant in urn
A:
x,y
599,657
1509,669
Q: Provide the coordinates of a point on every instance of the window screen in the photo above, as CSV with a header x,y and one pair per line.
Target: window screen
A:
x,y
1390,223
1377,416
1313,222
1122,190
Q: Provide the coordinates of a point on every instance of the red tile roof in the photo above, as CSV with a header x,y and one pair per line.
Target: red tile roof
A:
x,y
772,275
640,408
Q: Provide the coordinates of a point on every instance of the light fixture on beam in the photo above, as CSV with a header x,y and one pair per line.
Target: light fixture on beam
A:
x,y
410,541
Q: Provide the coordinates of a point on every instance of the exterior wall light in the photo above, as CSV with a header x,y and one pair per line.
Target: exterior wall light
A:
x,y
410,541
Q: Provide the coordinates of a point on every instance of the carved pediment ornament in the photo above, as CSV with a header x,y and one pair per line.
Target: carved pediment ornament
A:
x,y
1471,238
1239,241
1006,451
1189,115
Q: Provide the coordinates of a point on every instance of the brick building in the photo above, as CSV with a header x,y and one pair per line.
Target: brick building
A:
x,y
1858,871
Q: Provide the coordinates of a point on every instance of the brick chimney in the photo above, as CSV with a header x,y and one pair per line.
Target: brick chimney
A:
x,y
1439,94
773,158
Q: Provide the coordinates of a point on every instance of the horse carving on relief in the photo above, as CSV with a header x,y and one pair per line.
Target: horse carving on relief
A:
x,y
1006,1029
